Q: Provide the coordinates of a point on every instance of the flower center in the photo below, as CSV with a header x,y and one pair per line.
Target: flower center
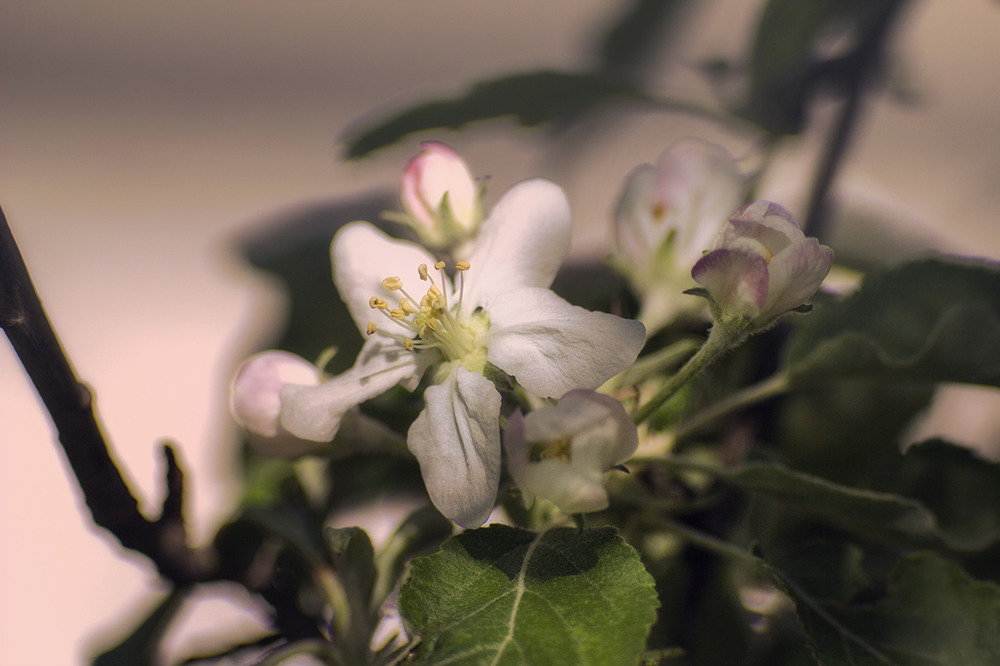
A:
x,y
430,322
555,449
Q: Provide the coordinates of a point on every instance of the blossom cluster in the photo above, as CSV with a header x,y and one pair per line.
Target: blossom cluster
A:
x,y
468,315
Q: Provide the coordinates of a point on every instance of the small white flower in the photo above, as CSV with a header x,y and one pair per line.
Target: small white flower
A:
x,y
762,266
562,452
498,313
666,217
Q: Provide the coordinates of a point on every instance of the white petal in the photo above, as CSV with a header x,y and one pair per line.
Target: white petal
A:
x,y
456,440
362,256
699,186
639,232
314,412
797,273
253,397
568,487
551,346
522,243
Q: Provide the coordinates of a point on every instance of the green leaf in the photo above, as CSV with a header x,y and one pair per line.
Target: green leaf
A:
x,y
531,98
501,595
933,614
879,516
961,489
866,513
930,320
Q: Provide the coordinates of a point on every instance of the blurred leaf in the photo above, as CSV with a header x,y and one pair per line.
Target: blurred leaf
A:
x,y
878,516
933,614
961,489
638,31
353,559
142,645
504,595
787,63
930,320
848,431
531,98
422,532
869,514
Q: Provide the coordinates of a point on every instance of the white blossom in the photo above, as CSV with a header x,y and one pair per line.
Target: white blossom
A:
x,y
496,313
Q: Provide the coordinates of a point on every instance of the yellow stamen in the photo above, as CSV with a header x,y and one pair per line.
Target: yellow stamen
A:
x,y
372,327
392,283
406,306
422,272
439,265
376,303
462,266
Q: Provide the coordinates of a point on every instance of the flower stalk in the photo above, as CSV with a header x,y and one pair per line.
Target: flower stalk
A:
x,y
720,340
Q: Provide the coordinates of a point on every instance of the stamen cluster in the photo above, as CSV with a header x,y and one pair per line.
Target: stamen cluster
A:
x,y
432,323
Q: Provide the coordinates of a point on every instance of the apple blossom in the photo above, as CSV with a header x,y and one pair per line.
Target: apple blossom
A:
x,y
496,317
441,198
666,217
561,452
762,266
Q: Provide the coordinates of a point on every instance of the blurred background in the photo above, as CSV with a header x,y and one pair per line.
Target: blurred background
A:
x,y
140,143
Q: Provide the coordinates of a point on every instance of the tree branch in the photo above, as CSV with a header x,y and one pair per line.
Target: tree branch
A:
x,y
70,404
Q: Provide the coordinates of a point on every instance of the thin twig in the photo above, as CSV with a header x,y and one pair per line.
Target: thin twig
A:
x,y
70,404
863,65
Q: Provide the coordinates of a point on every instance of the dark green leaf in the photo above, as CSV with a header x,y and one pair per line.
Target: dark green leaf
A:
x,y
353,559
638,32
930,320
879,516
863,512
501,595
934,614
530,98
961,489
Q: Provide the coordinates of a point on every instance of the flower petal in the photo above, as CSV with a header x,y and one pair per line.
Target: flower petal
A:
x,y
253,396
797,273
522,243
640,231
551,346
769,214
737,281
456,440
362,256
698,186
314,412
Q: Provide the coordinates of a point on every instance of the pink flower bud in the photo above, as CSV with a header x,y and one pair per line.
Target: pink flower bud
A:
x,y
761,267
439,192
255,400
561,452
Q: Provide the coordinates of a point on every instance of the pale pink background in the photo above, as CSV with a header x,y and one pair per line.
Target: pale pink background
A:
x,y
138,139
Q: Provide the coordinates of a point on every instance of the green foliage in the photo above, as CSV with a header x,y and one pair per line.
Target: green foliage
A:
x,y
930,320
506,596
530,98
933,614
